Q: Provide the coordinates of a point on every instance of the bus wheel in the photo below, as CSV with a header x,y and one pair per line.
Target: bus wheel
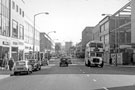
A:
x,y
86,64
89,64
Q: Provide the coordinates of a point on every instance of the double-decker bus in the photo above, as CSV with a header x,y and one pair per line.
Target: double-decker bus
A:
x,y
94,53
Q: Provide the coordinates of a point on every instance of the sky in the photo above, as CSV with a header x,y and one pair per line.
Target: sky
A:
x,y
69,17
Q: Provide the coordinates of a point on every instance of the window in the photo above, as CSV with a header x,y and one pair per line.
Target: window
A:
x,y
16,8
21,32
107,26
14,29
92,44
102,28
98,54
20,11
13,5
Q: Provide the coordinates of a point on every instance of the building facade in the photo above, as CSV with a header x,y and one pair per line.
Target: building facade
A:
x,y
16,32
46,45
67,47
5,32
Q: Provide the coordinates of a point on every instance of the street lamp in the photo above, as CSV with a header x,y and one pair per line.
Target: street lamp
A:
x,y
34,31
51,32
106,14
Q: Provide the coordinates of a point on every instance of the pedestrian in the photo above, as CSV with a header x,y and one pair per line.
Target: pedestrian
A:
x,y
11,64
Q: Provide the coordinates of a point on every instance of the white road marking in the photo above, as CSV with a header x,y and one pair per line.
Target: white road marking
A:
x,y
105,88
94,80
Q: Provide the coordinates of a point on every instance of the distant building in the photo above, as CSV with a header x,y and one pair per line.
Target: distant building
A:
x,y
58,48
67,47
78,51
86,37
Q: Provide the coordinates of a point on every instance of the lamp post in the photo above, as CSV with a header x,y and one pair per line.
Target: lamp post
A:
x,y
35,30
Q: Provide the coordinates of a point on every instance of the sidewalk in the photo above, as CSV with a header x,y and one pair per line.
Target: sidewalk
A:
x,y
3,71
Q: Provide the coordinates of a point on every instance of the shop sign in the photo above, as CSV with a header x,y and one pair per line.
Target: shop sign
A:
x,y
15,43
5,43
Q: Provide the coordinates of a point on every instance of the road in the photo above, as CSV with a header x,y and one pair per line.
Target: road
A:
x,y
75,77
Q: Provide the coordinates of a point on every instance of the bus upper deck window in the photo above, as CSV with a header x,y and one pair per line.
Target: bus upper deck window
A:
x,y
92,44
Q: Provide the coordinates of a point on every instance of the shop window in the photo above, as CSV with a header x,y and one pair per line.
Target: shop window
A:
x,y
14,29
16,8
20,11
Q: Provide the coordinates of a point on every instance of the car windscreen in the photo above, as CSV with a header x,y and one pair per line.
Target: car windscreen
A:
x,y
20,63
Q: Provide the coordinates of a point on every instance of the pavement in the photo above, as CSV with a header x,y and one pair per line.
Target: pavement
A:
x,y
5,73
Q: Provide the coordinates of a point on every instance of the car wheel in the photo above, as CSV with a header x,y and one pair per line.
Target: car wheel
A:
x,y
40,68
27,72
102,65
86,64
15,73
89,64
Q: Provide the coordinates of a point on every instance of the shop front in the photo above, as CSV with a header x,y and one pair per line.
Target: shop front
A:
x,y
28,51
4,52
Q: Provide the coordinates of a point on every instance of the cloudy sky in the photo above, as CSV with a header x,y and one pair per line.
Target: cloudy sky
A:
x,y
69,17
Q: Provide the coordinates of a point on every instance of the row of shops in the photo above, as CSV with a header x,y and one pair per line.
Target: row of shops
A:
x,y
15,49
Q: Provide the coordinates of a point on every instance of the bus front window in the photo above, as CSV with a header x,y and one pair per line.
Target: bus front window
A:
x,y
99,54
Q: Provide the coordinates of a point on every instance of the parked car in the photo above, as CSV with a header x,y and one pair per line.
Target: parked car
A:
x,y
36,65
63,62
22,66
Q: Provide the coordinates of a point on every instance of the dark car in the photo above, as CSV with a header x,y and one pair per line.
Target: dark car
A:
x,y
35,64
63,62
